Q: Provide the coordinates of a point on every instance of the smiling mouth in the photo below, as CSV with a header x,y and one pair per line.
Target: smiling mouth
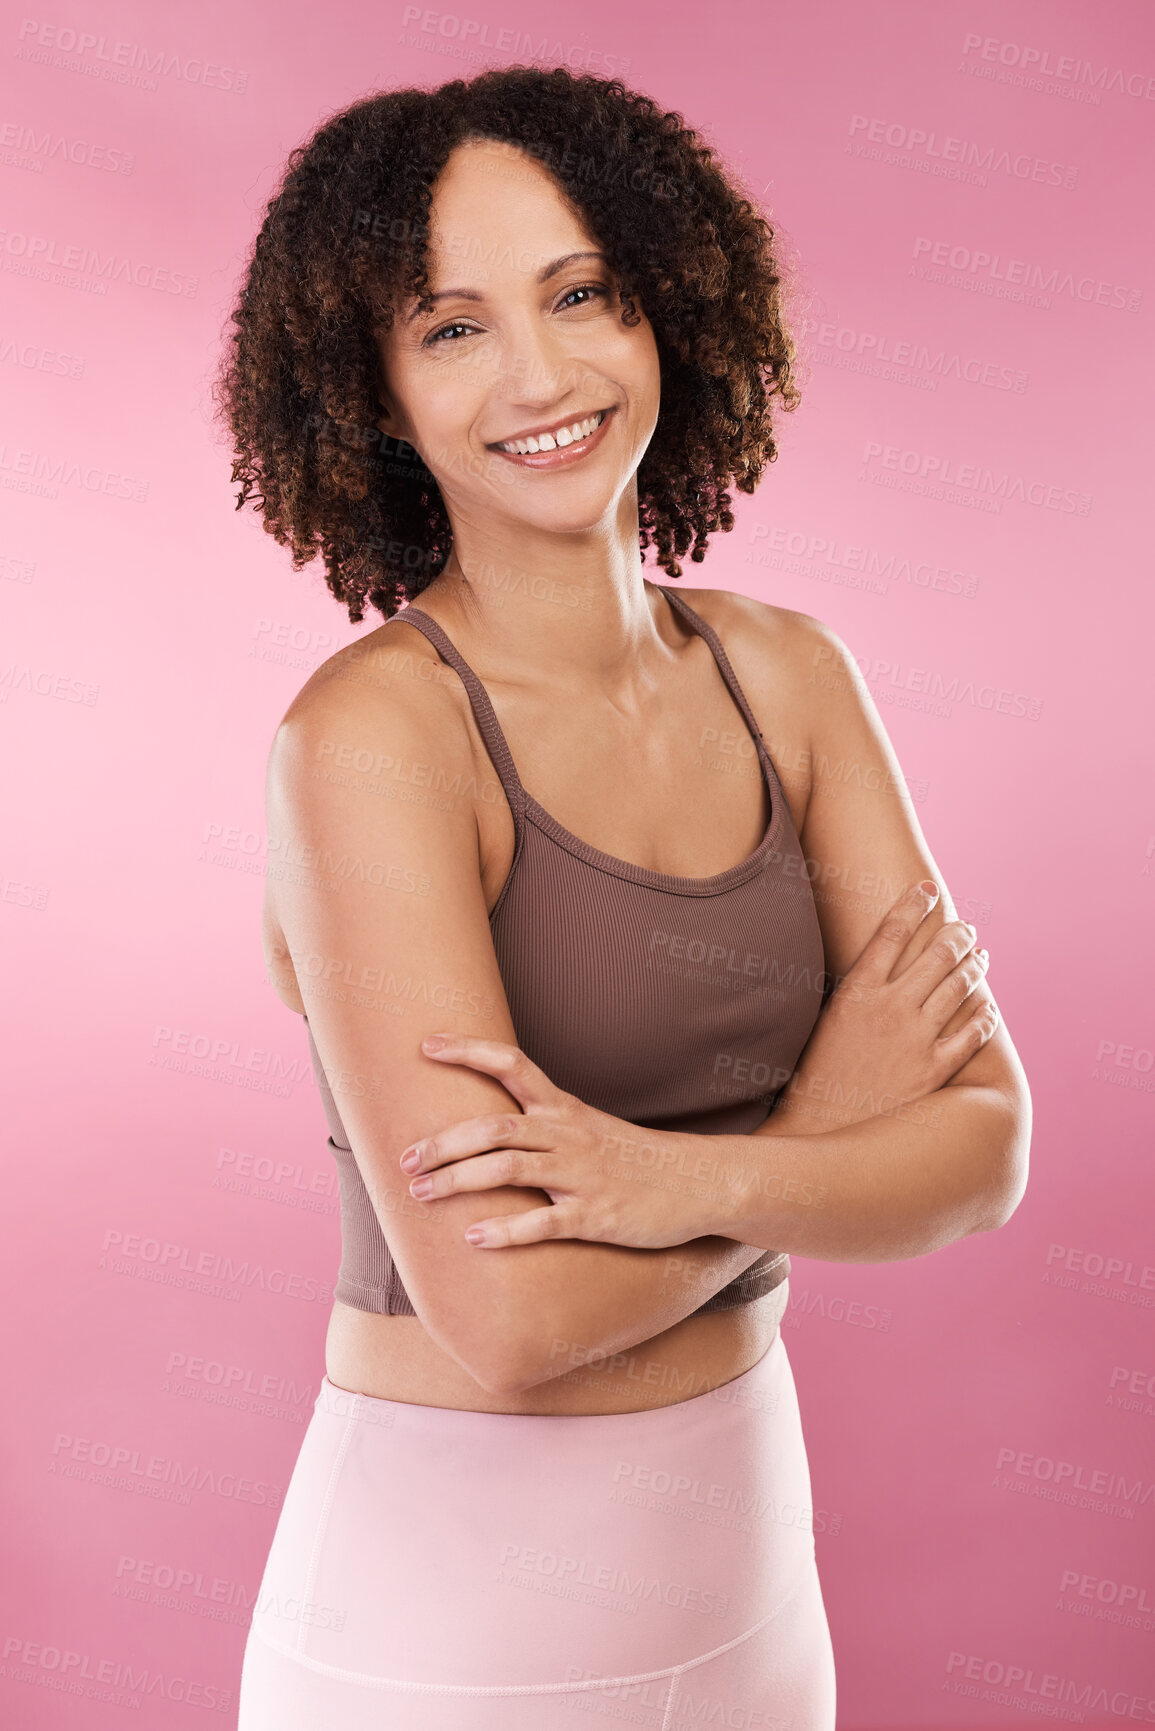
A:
x,y
557,439
560,448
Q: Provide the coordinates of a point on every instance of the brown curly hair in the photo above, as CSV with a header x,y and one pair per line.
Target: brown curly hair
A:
x,y
343,243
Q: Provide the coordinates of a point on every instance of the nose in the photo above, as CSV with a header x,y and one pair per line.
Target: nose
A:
x,y
537,367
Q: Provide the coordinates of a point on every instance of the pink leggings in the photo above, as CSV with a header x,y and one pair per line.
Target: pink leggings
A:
x,y
465,1571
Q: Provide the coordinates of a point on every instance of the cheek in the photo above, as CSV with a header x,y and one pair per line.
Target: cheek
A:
x,y
440,403
451,369
641,366
444,400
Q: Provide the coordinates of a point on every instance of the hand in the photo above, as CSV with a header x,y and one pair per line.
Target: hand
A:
x,y
600,1173
878,1044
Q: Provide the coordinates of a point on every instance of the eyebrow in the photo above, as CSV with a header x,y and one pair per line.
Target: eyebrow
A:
x,y
543,275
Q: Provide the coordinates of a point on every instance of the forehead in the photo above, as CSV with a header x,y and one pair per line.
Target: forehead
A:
x,y
496,211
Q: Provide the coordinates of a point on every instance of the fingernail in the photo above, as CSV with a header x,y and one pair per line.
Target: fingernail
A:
x,y
985,954
929,885
422,1188
475,1235
433,1042
410,1160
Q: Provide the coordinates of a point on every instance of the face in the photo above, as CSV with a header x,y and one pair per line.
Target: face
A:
x,y
525,338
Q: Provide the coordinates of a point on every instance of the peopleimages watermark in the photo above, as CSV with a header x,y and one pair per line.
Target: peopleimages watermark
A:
x,y
292,645
122,62
43,682
1096,1264
1023,1686
37,359
825,549
1039,63
134,1469
944,152
864,348
220,1050
44,252
1020,273
943,689
1073,1483
611,1583
973,478
26,470
718,1504
40,145
116,1682
1105,1592
473,34
182,1265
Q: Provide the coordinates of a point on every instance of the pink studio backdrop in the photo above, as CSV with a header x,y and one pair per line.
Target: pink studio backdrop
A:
x,y
964,495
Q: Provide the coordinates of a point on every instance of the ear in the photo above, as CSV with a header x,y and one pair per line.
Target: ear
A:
x,y
390,422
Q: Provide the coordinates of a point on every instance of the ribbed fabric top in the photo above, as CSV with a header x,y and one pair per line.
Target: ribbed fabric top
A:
x,y
671,1002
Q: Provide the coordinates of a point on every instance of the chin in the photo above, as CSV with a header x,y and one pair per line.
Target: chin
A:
x,y
571,517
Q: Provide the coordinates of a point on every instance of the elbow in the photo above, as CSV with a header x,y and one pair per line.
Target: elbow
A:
x,y
498,1351
507,1381
507,1375
1002,1203
1008,1184
518,1363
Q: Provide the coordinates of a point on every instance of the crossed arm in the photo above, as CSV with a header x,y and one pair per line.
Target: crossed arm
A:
x,y
880,1189
840,1170
860,1186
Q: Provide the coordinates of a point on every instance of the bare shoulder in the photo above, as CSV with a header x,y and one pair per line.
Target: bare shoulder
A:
x,y
861,836
373,747
372,674
385,709
778,656
771,642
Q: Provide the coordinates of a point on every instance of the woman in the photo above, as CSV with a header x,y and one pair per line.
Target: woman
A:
x,y
496,340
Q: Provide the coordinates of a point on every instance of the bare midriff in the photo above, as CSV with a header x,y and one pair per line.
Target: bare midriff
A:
x,y
394,1358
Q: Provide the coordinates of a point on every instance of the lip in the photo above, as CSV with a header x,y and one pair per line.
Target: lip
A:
x,y
561,456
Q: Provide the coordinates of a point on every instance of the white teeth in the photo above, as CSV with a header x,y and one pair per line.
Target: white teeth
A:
x,y
553,441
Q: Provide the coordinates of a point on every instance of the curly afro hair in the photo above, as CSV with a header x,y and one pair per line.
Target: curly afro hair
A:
x,y
343,244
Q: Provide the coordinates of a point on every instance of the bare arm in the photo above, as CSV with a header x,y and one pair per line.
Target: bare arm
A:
x,y
880,1190
389,935
844,1182
826,1175
877,1190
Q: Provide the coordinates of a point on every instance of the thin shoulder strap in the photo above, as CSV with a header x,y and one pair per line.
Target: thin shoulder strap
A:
x,y
682,606
487,722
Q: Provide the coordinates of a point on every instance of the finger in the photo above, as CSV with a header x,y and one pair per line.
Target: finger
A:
x,y
954,1050
485,1172
529,1085
957,987
459,1141
536,1226
949,947
895,930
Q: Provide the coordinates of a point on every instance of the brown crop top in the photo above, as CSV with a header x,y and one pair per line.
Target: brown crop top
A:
x,y
671,1002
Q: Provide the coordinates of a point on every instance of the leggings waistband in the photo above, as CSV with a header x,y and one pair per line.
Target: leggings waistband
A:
x,y
751,1390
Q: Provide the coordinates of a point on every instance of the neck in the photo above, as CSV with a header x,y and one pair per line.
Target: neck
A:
x,y
572,611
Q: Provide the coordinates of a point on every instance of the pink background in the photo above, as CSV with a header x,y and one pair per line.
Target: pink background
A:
x,y
980,1422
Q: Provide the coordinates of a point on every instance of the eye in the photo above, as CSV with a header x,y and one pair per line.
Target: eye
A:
x,y
588,288
435,336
